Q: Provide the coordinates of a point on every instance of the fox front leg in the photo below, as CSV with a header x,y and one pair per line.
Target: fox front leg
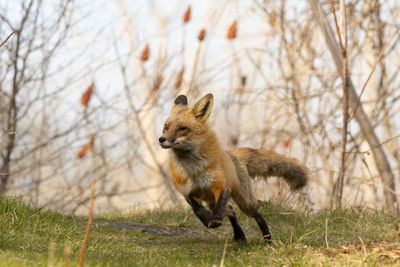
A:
x,y
204,215
210,220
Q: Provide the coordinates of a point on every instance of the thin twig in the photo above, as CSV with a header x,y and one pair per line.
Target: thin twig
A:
x,y
337,26
6,40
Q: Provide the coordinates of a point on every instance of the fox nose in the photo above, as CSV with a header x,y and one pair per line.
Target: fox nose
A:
x,y
162,139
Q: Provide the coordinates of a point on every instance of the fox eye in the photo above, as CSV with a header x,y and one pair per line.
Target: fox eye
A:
x,y
181,129
166,126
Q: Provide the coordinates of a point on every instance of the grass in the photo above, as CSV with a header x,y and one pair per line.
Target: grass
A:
x,y
39,237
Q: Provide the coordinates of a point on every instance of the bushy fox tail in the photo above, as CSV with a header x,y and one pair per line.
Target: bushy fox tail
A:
x,y
266,163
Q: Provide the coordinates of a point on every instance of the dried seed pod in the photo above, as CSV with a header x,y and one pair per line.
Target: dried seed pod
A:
x,y
145,53
201,35
186,16
87,94
83,151
287,141
232,31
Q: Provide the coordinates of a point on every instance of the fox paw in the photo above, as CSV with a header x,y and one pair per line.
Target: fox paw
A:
x,y
268,241
214,223
240,239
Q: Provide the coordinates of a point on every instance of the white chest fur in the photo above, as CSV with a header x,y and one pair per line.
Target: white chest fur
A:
x,y
202,180
193,167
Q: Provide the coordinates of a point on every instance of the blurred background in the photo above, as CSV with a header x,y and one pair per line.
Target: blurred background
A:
x,y
85,87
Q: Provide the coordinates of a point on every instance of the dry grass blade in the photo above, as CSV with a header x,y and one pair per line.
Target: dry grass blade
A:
x,y
223,254
51,260
67,255
89,224
326,233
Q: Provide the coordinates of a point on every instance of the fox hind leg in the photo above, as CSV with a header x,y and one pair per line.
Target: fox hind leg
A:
x,y
238,234
250,209
262,224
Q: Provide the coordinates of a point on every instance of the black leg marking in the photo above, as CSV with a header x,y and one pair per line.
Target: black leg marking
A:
x,y
238,234
210,220
218,213
263,227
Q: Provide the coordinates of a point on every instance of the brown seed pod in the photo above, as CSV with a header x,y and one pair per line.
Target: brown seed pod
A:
x,y
145,53
84,149
186,16
201,35
232,31
287,141
87,94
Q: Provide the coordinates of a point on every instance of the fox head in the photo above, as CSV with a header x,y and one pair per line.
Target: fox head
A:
x,y
186,126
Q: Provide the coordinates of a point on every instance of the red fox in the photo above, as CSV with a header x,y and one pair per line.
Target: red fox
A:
x,y
203,172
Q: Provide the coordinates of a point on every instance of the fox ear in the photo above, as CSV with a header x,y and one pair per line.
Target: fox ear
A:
x,y
181,100
202,109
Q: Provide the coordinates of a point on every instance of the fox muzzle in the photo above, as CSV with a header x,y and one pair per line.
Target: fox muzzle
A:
x,y
164,143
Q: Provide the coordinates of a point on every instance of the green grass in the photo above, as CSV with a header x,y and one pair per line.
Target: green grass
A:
x,y
38,237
